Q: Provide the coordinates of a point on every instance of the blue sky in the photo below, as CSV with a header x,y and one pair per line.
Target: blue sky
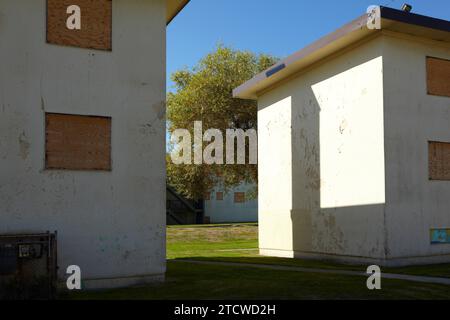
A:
x,y
277,27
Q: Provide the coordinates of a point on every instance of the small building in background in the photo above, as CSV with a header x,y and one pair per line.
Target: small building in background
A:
x,y
354,144
237,205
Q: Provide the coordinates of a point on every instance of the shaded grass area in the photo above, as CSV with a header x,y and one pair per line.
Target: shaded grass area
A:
x,y
187,281
238,243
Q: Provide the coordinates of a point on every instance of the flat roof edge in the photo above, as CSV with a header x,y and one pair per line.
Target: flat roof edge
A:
x,y
173,14
283,68
344,36
415,19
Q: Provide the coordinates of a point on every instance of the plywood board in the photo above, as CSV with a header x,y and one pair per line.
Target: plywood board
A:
x,y
438,77
439,160
77,142
239,197
96,24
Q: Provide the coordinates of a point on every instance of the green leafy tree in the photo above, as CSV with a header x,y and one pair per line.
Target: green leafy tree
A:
x,y
204,93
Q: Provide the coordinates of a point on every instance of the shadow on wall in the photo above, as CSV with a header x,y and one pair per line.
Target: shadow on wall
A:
x,y
337,164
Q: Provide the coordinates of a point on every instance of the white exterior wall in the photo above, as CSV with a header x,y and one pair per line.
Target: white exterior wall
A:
x,y
275,173
414,204
226,210
111,224
358,157
321,161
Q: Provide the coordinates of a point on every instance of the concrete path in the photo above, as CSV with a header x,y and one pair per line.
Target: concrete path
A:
x,y
445,281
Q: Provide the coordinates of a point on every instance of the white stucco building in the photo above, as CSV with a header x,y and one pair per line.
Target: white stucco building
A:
x,y
235,205
82,133
354,145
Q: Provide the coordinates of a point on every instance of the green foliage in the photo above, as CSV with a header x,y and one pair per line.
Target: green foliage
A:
x,y
205,94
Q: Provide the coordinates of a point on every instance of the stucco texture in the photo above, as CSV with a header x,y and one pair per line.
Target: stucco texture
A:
x,y
111,224
343,159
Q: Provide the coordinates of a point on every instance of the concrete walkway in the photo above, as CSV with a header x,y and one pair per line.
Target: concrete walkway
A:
x,y
445,281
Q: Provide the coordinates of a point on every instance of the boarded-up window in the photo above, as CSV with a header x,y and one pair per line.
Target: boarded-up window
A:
x,y
439,160
207,196
438,77
80,23
239,197
219,196
77,142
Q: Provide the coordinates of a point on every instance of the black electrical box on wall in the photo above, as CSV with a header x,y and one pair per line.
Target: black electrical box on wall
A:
x,y
8,259
28,266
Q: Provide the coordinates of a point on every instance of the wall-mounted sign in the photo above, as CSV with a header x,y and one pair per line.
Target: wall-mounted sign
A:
x,y
440,236
80,23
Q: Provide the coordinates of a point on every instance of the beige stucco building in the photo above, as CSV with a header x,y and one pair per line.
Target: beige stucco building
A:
x,y
354,144
82,133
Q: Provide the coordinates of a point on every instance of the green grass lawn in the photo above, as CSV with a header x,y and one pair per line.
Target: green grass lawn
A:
x,y
209,241
192,282
216,243
238,243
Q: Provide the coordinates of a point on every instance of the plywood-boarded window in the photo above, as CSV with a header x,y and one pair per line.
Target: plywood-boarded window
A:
x,y
219,196
439,160
80,23
77,142
207,196
438,76
239,197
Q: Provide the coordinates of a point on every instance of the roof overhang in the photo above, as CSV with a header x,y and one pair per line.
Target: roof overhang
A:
x,y
391,19
174,7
